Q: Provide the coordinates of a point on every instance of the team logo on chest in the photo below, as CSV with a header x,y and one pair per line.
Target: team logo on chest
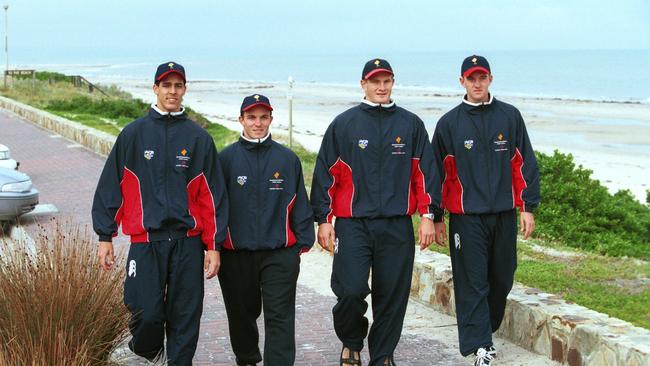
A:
x,y
363,144
242,180
500,144
469,144
276,182
398,146
183,159
148,154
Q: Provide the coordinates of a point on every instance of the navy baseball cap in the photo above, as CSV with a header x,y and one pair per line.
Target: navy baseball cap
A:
x,y
374,66
255,100
167,68
474,63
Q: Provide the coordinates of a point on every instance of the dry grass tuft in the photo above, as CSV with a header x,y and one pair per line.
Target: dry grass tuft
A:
x,y
56,306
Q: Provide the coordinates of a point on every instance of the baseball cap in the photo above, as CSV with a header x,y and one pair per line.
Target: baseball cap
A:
x,y
375,66
167,68
474,63
255,100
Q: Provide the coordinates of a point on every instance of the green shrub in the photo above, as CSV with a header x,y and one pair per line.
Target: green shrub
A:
x,y
108,108
55,76
580,212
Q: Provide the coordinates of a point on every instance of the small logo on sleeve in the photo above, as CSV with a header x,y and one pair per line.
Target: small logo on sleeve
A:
x,y
241,180
363,144
469,144
148,154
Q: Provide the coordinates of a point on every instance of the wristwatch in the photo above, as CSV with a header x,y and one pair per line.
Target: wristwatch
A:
x,y
428,216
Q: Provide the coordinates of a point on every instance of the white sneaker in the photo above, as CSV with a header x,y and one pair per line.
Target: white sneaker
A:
x,y
484,356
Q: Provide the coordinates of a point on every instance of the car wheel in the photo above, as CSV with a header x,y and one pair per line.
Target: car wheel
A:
x,y
5,228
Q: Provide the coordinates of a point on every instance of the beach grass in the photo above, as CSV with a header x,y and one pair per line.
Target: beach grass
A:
x,y
577,213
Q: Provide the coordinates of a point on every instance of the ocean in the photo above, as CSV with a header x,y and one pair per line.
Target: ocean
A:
x,y
601,75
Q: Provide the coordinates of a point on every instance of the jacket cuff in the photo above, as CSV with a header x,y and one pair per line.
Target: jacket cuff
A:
x,y
320,220
438,214
108,238
529,208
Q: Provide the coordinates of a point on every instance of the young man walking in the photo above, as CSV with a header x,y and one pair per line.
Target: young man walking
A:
x,y
486,168
270,225
374,170
162,182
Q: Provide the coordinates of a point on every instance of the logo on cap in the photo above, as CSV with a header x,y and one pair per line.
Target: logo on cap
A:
x,y
377,63
474,60
171,65
257,97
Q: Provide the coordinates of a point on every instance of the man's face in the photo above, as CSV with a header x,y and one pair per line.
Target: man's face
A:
x,y
256,122
477,85
169,92
378,88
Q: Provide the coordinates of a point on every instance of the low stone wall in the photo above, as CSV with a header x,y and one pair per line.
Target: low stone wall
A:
x,y
541,322
97,141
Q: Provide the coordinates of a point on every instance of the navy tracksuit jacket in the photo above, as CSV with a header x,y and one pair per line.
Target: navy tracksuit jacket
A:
x,y
374,169
270,224
485,169
163,184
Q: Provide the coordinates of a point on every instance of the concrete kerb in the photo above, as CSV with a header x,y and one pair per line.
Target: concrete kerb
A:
x,y
541,322
537,321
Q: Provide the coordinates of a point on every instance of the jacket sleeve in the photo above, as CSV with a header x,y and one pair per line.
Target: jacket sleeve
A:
x,y
525,173
107,202
439,154
422,170
302,218
323,184
213,200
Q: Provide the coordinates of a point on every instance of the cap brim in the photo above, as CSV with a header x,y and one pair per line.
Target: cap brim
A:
x,y
164,74
375,72
256,104
474,69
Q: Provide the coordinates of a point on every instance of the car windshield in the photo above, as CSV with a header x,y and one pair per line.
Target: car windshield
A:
x,y
4,155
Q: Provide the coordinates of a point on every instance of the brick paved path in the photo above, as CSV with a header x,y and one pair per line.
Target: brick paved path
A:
x,y
66,176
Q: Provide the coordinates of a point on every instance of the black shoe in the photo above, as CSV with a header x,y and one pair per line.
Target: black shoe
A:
x,y
150,356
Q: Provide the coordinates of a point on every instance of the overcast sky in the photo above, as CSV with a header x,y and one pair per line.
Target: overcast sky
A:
x,y
152,27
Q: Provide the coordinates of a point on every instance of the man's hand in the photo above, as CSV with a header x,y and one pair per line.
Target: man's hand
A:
x,y
426,232
106,255
211,263
326,236
527,223
441,233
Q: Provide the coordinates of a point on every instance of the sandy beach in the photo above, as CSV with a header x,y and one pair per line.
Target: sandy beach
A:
x,y
610,138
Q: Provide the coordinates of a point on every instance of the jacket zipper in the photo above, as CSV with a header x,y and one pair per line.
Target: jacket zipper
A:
x,y
259,197
487,157
380,139
166,155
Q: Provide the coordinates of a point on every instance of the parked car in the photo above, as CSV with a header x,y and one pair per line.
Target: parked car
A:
x,y
17,196
5,158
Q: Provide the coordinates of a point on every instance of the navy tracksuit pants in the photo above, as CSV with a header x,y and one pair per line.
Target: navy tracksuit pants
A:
x,y
250,281
164,292
387,247
484,259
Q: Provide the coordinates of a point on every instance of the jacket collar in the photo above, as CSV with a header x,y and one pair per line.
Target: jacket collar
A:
x,y
254,143
490,100
157,113
370,106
